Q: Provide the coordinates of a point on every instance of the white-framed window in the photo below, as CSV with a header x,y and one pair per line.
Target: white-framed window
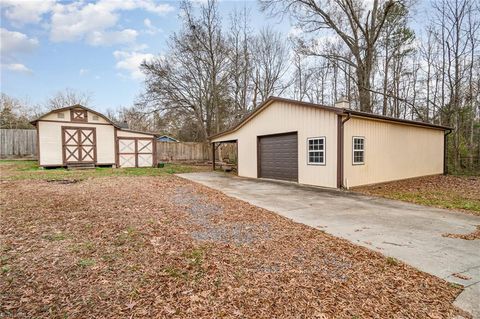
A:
x,y
60,115
316,151
358,151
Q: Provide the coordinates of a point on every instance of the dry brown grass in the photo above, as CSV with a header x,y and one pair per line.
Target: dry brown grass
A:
x,y
452,192
163,247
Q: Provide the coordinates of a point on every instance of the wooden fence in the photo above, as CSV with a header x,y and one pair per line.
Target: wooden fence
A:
x,y
182,151
194,152
18,143
23,144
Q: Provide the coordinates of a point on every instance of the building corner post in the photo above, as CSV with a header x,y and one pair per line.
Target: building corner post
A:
x,y
445,151
340,148
213,156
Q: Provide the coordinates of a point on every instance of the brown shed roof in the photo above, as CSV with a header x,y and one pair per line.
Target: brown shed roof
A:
x,y
336,110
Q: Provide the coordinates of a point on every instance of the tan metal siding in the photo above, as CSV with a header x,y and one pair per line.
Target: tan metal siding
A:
x,y
50,141
392,152
282,117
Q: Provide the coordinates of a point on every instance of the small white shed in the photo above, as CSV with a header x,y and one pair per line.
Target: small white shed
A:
x,y
79,136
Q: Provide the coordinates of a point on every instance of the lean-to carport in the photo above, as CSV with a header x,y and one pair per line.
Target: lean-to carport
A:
x,y
216,145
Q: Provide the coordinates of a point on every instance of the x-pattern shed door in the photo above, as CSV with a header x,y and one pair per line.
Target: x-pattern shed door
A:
x,y
79,145
126,152
135,152
145,153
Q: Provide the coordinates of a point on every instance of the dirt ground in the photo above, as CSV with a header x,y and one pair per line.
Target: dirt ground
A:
x,y
163,247
452,192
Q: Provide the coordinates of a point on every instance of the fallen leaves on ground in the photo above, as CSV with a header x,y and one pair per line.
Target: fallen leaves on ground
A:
x,y
470,236
164,247
445,191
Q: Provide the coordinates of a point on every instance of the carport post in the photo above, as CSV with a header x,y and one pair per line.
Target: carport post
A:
x,y
213,156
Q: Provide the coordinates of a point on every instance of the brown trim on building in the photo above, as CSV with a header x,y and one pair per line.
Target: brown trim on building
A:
x,y
76,106
258,157
154,142
136,152
238,162
336,110
77,115
80,147
445,152
38,145
153,135
394,120
339,151
115,139
67,122
95,145
63,145
265,104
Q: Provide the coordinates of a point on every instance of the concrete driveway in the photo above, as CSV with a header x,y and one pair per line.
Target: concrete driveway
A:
x,y
408,232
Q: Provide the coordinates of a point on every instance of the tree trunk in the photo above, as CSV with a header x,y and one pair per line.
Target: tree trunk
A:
x,y
363,85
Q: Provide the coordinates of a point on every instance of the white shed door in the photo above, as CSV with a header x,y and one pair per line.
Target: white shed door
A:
x,y
145,153
135,152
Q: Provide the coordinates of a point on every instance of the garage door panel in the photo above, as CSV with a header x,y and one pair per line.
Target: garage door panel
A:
x,y
278,157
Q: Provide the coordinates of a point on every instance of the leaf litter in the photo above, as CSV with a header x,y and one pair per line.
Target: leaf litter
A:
x,y
164,247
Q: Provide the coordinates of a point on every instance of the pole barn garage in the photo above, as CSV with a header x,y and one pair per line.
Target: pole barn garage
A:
x,y
333,146
76,136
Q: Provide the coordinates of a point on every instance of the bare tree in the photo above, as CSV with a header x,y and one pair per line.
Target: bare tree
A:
x,y
194,76
15,114
68,97
241,64
271,63
357,26
452,24
395,41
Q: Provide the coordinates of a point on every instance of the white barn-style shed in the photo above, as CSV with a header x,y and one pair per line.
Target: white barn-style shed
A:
x,y
79,136
333,147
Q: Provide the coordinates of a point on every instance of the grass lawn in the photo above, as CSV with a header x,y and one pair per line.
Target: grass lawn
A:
x,y
147,244
452,192
19,170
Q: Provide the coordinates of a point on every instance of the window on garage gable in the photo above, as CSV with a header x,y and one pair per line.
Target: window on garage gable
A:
x,y
316,151
358,150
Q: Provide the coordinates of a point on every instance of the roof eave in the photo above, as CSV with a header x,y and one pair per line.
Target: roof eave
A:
x,y
34,122
265,104
395,120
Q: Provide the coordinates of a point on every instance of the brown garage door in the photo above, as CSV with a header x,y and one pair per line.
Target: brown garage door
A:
x,y
278,157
